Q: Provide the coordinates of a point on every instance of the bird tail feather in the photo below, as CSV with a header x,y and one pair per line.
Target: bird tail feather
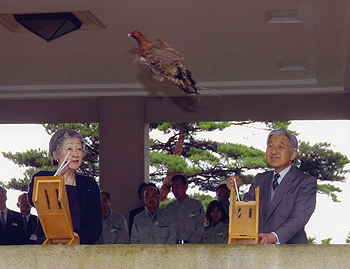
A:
x,y
183,79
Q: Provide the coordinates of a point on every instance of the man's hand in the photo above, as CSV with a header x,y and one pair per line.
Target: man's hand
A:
x,y
164,190
231,182
267,238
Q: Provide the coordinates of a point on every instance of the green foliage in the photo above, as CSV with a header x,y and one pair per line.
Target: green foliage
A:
x,y
210,126
326,241
204,198
321,162
33,157
171,163
312,240
18,184
274,125
324,164
190,127
89,130
347,240
166,202
242,157
329,190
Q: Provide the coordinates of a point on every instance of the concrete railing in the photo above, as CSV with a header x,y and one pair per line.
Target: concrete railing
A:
x,y
176,256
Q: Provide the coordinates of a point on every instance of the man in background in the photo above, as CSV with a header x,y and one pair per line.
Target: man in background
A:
x,y
188,213
30,221
114,228
138,210
154,225
11,223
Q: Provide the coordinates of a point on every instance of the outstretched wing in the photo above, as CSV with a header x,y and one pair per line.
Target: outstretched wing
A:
x,y
162,53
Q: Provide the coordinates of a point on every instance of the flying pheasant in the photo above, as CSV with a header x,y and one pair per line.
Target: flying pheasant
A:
x,y
164,62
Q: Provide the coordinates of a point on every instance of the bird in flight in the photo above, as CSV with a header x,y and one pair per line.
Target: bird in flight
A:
x,y
164,62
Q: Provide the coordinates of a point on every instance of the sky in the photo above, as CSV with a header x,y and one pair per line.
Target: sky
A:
x,y
329,219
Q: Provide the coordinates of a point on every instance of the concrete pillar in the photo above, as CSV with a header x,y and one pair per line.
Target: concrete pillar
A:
x,y
123,150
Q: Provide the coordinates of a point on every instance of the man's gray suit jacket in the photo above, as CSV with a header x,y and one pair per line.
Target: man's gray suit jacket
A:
x,y
291,207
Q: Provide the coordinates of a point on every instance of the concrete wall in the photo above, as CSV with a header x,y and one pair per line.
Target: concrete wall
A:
x,y
176,256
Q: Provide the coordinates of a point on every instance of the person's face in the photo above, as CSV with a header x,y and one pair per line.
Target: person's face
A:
x,y
179,189
24,205
216,215
74,146
278,154
106,205
3,199
223,195
151,199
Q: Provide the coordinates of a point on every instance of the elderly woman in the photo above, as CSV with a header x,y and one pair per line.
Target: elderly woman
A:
x,y
82,191
216,229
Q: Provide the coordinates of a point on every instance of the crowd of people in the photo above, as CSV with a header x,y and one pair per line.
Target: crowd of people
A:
x,y
182,221
287,200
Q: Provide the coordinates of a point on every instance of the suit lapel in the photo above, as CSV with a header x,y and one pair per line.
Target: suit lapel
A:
x,y
9,219
265,194
32,223
1,230
282,189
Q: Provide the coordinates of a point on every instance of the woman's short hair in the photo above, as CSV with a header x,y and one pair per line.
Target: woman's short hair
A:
x,y
56,141
212,205
293,141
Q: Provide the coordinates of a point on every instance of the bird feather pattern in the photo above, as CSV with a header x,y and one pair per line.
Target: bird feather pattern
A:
x,y
163,62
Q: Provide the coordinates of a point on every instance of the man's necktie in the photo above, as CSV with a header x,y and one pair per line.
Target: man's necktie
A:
x,y
275,182
2,218
25,223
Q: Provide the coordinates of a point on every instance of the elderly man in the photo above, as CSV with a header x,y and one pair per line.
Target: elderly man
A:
x,y
114,229
11,223
154,225
287,195
30,221
188,212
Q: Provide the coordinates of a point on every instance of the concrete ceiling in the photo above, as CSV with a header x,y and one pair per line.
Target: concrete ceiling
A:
x,y
229,46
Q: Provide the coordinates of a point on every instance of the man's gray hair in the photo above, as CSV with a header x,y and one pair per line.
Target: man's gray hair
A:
x,y
293,142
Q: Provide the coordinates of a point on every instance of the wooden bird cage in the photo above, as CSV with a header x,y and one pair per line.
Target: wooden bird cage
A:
x,y
244,220
51,202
